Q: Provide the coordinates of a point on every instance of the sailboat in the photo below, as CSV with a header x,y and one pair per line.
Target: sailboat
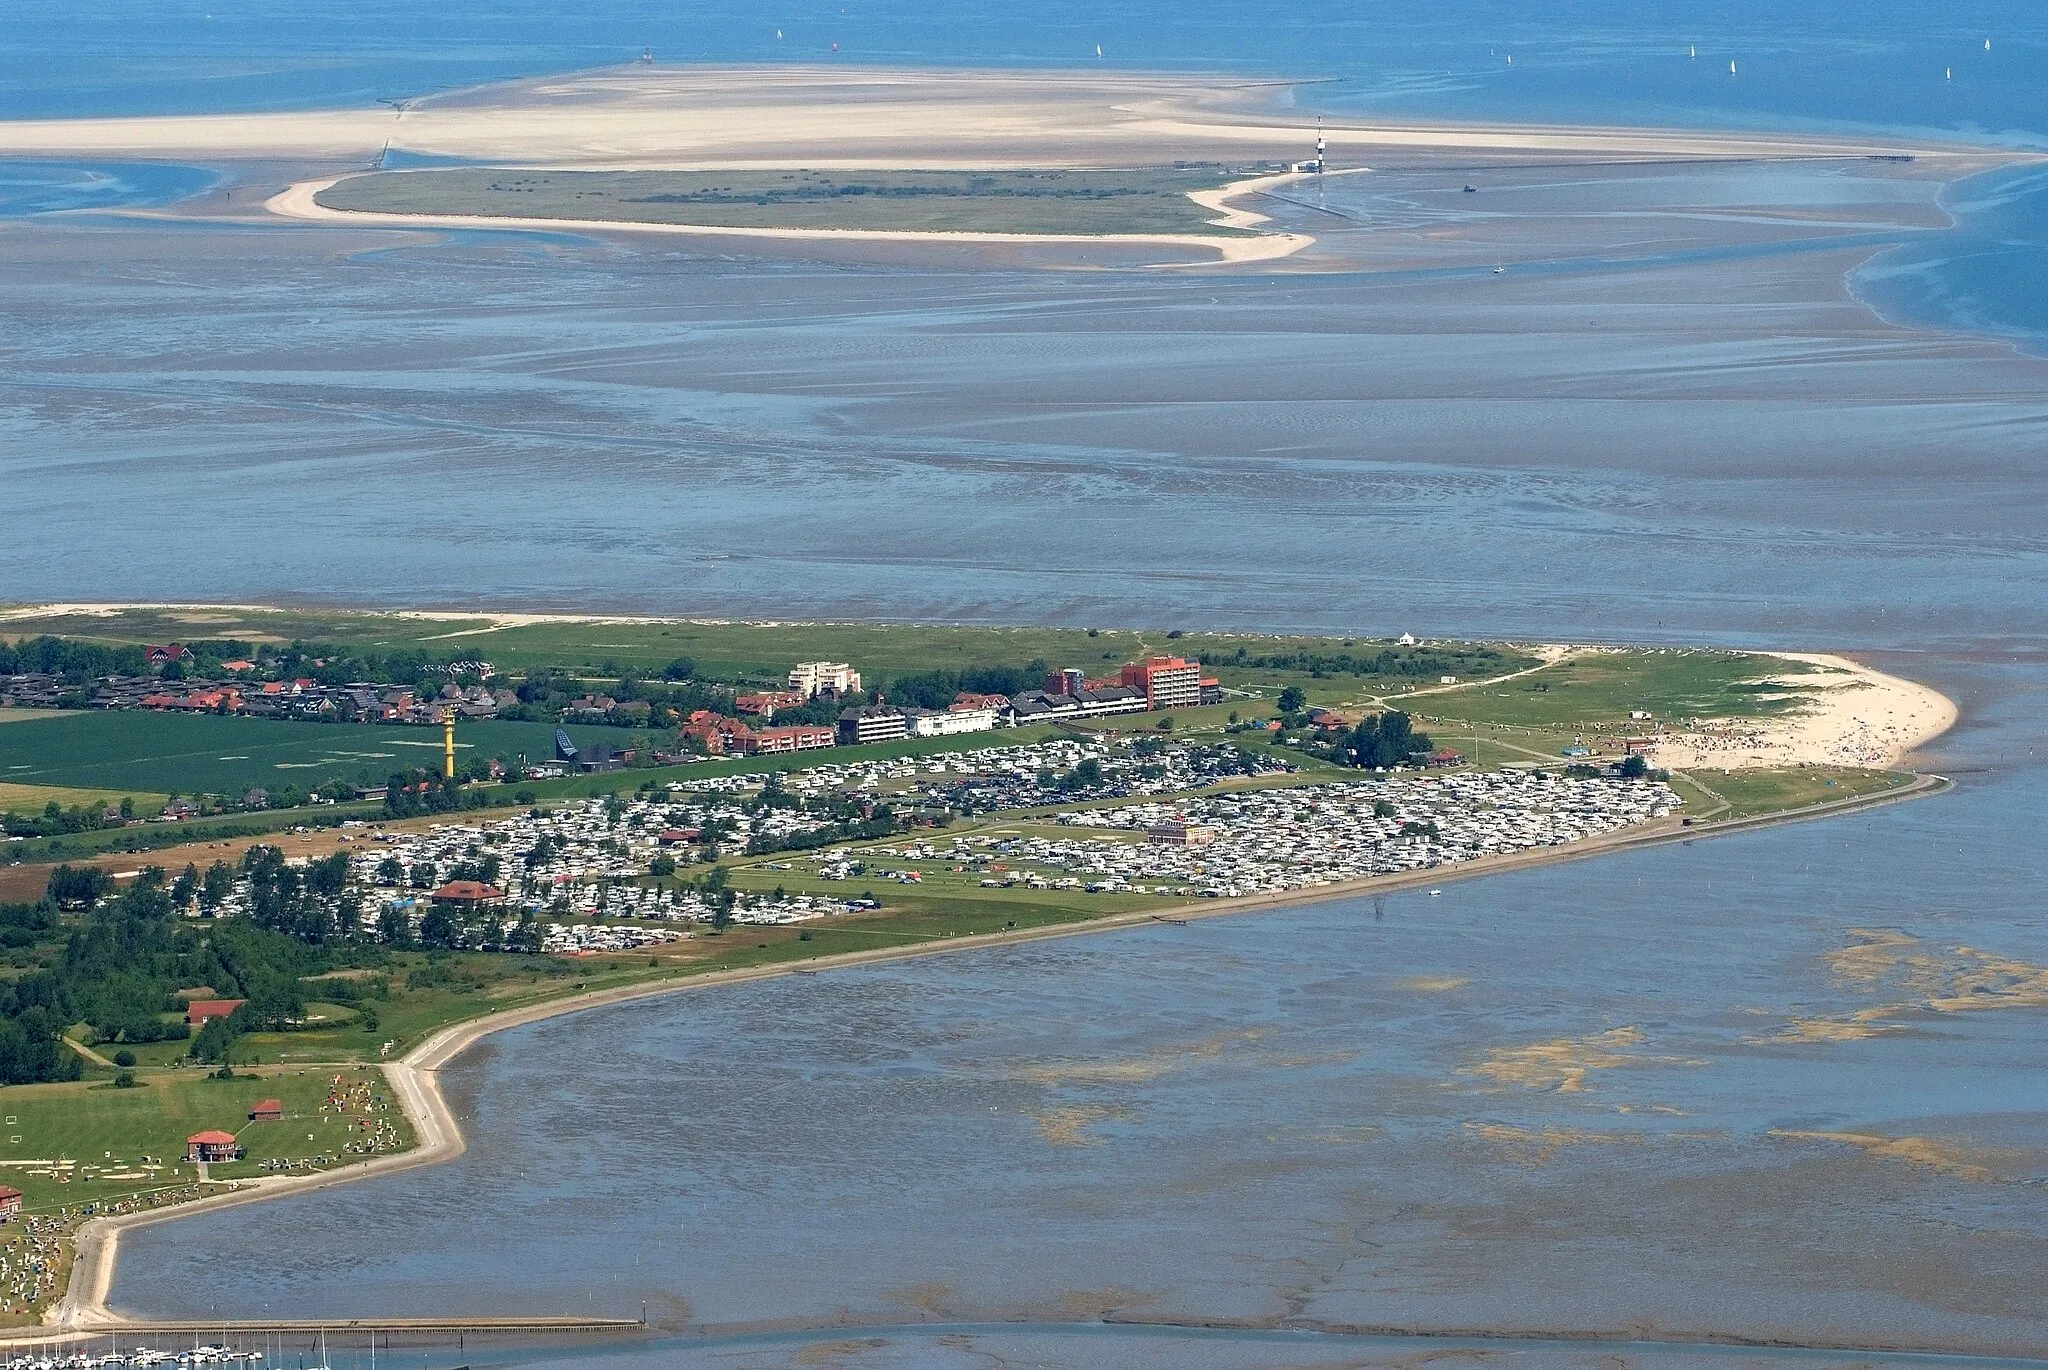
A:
x,y
1692,51
1731,68
1987,45
1098,49
1948,74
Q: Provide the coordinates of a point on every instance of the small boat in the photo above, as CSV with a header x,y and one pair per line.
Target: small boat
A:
x,y
1434,893
1471,190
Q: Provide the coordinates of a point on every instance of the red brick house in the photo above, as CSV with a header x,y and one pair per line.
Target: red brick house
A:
x,y
267,1111
212,1145
10,1202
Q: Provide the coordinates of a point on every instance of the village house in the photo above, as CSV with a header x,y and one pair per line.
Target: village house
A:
x,y
10,1203
267,1111
212,1145
199,1011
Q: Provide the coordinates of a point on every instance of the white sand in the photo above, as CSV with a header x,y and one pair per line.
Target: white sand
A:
x,y
1861,717
783,117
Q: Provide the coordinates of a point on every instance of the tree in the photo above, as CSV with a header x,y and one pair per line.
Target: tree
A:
x,y
1386,739
663,865
1634,767
439,931
394,927
216,887
1292,700
78,887
186,887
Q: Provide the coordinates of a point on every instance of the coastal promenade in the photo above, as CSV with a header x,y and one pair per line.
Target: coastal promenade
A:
x,y
84,1310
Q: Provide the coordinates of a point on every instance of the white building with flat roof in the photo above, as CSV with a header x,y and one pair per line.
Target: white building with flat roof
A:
x,y
947,722
814,678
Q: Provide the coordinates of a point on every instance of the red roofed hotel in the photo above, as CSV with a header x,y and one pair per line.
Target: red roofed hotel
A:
x,y
1167,682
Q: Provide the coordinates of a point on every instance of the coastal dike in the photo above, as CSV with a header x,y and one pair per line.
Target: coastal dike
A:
x,y
84,1312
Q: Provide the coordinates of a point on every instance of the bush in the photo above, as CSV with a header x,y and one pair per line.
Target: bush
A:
x,y
124,1079
124,1059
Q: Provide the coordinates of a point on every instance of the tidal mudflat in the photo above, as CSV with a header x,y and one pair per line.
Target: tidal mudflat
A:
x,y
1666,414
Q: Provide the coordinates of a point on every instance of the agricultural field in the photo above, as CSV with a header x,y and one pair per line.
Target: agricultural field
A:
x,y
154,754
1143,200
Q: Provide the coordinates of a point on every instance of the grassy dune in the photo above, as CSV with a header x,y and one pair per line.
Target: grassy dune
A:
x,y
1145,200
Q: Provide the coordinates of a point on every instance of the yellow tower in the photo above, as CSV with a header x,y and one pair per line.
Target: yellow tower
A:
x,y
448,743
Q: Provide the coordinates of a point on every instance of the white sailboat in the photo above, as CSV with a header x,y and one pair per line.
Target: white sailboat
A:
x,y
1731,68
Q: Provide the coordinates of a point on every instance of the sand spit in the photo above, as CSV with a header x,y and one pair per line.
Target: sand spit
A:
x,y
1860,717
788,116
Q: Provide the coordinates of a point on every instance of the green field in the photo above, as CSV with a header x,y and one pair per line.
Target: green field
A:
x,y
110,1134
599,649
1747,794
153,753
1143,200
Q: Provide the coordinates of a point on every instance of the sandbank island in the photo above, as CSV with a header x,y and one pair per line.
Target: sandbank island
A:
x,y
1105,168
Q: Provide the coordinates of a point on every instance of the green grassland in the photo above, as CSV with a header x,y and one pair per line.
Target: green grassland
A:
x,y
1747,794
1602,687
1143,200
103,1129
599,649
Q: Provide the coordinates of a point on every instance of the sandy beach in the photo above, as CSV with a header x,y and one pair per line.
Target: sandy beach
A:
x,y
1861,717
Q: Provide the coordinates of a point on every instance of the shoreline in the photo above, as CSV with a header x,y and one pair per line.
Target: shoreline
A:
x,y
84,1310
299,202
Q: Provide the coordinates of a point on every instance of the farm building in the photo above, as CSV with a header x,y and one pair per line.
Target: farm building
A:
x,y
267,1111
199,1010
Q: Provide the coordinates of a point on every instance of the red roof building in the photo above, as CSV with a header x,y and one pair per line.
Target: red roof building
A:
x,y
267,1111
1167,682
199,1010
212,1145
470,893
10,1202
794,739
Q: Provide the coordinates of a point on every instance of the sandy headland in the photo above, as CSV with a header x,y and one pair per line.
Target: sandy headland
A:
x,y
645,118
1853,716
